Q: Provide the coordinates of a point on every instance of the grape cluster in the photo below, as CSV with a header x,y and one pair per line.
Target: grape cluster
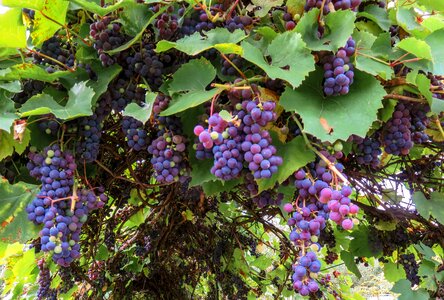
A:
x,y
396,132
160,103
55,170
437,86
304,270
259,152
136,135
44,280
49,126
368,150
264,198
289,23
168,151
419,122
238,22
308,222
241,140
337,4
227,69
411,268
57,50
338,70
107,36
90,128
30,88
148,64
167,23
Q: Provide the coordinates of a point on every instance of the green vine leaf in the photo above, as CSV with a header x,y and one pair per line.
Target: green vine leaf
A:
x,y
48,20
403,287
190,93
30,71
430,207
290,59
339,27
12,30
329,118
219,38
143,113
78,105
14,199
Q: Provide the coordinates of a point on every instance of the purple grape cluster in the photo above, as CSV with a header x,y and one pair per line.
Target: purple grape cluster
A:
x,y
136,135
238,22
44,280
396,132
55,170
161,103
52,206
57,50
241,140
49,126
304,270
338,70
107,36
167,23
30,88
411,268
308,222
338,4
169,151
289,23
227,69
121,92
437,86
148,64
419,122
259,153
368,150
264,198
90,128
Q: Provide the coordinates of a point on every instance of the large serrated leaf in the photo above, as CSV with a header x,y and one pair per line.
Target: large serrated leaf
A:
x,y
393,272
368,61
30,71
286,50
295,155
329,118
403,287
378,15
31,4
194,44
416,47
143,113
339,27
190,93
12,30
101,11
349,261
7,112
430,207
78,105
434,41
48,20
13,201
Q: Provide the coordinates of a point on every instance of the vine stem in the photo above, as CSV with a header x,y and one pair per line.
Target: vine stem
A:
x,y
438,124
51,59
403,98
330,165
66,28
240,83
234,66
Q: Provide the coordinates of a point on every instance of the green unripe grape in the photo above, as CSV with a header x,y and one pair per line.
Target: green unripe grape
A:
x,y
33,149
172,164
52,239
87,127
50,153
338,146
346,67
57,249
238,106
168,139
69,213
314,238
72,243
48,160
225,135
296,17
314,247
121,90
83,218
195,146
48,131
214,135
